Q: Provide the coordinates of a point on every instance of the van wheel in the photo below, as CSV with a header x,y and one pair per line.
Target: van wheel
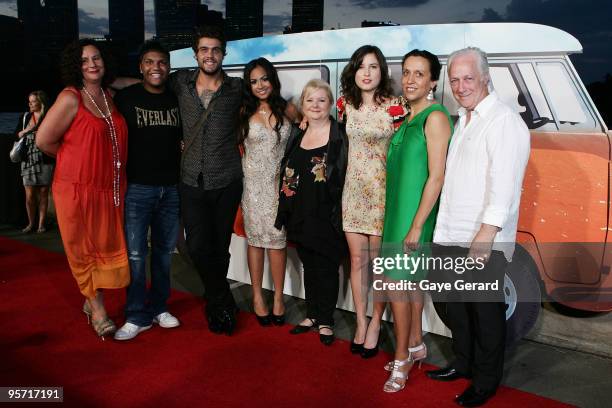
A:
x,y
522,297
522,294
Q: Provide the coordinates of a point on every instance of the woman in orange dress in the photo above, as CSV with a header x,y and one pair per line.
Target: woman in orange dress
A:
x,y
89,138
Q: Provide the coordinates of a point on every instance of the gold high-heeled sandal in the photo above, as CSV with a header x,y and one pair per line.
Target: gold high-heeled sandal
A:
x,y
411,351
104,327
87,311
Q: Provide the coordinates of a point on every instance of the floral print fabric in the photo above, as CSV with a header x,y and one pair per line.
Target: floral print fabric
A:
x,y
369,130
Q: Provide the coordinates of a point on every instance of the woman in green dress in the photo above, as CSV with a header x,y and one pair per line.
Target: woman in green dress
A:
x,y
415,173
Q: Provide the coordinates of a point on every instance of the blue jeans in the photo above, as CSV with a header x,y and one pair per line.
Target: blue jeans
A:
x,y
157,207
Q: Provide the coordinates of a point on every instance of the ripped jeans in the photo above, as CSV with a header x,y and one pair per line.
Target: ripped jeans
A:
x,y
157,207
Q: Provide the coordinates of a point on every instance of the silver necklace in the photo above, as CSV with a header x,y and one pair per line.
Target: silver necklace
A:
x,y
108,118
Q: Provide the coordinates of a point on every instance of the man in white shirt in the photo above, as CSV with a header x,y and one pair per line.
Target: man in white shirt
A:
x,y
478,218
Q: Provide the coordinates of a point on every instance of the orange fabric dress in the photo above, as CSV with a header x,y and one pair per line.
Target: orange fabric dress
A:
x,y
90,224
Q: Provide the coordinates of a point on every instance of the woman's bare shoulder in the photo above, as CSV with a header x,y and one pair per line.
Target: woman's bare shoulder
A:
x,y
68,95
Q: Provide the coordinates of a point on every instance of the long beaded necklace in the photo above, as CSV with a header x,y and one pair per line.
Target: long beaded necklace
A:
x,y
114,143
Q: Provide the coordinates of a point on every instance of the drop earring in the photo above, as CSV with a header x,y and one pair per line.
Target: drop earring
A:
x,y
430,95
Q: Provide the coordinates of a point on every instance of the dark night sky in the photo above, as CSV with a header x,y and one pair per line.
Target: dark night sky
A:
x,y
587,20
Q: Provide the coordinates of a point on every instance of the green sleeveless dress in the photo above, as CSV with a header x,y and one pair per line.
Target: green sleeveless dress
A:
x,y
407,173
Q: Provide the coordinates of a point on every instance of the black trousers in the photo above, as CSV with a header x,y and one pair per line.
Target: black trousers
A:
x,y
208,217
321,285
479,327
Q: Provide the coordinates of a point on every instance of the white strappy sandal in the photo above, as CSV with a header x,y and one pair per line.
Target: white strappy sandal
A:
x,y
411,351
397,379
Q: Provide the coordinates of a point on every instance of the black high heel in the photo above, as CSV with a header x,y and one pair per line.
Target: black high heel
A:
x,y
369,353
278,320
356,348
326,339
264,320
372,352
299,329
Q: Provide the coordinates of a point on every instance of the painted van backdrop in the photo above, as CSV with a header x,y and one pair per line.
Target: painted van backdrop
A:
x,y
565,207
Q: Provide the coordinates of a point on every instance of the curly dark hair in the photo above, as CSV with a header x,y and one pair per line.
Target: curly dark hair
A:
x,y
208,31
250,102
434,63
70,66
348,87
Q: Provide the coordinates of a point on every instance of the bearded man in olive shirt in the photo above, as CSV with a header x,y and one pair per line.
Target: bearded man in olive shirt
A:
x,y
211,171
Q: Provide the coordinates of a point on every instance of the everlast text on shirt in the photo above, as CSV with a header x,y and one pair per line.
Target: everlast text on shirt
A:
x,y
147,118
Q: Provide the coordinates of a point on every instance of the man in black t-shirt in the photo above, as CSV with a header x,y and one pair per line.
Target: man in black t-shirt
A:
x,y
211,171
152,199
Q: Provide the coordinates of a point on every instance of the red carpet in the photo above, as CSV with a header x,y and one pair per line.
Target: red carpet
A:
x,y
45,341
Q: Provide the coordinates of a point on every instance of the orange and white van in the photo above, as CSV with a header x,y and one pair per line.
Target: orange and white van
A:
x,y
565,208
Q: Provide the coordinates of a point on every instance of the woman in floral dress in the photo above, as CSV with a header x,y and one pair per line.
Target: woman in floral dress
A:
x,y
371,115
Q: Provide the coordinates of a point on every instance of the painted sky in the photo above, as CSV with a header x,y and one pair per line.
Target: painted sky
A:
x,y
587,20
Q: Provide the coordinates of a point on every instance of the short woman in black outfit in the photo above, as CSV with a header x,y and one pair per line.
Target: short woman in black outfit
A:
x,y
312,178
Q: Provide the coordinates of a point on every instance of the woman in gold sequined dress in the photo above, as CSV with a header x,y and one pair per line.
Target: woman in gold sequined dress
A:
x,y
264,129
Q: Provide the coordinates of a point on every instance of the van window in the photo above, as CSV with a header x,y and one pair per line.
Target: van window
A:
x,y
518,86
540,116
569,107
395,71
504,83
293,80
506,88
518,93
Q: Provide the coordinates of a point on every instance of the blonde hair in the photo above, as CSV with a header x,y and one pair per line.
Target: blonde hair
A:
x,y
42,99
315,85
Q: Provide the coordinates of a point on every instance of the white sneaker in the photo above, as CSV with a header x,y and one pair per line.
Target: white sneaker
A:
x,y
129,331
166,320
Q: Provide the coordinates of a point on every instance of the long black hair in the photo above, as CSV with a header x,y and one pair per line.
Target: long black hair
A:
x,y
349,88
250,103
